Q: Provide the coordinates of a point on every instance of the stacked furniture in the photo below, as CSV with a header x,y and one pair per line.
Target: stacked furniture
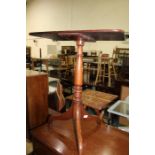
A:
x,y
28,57
105,69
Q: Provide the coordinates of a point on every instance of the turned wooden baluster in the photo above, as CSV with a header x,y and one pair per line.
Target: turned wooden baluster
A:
x,y
77,99
77,111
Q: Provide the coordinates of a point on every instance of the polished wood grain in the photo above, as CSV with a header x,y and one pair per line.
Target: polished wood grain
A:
x,y
36,98
95,99
87,35
124,92
76,111
99,139
59,94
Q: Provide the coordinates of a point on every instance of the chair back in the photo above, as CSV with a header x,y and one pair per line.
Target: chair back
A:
x,y
103,58
63,60
93,54
71,60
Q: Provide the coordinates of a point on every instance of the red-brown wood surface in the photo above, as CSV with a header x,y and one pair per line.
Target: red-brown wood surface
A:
x,y
76,111
36,98
96,99
99,139
87,35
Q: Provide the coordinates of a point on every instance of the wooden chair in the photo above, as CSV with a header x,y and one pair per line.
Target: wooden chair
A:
x,y
60,66
101,58
92,69
103,71
56,99
93,54
43,64
36,64
70,63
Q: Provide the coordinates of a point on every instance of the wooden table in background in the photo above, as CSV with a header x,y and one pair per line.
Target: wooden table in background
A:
x,y
96,99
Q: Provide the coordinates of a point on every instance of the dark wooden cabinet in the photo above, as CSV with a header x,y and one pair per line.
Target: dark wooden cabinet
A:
x,y
121,55
36,98
122,88
28,57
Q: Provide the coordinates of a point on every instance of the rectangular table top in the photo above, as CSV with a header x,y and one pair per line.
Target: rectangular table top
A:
x,y
95,99
87,35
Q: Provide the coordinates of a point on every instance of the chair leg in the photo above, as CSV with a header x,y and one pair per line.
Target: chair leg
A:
x,y
101,115
109,75
104,72
98,74
115,75
88,73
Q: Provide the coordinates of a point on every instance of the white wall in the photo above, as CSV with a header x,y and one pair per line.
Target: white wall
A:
x,y
51,15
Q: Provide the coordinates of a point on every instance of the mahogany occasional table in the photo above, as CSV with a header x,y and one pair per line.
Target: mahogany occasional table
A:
x,y
76,112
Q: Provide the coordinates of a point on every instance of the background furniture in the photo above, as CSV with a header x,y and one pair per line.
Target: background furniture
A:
x,y
121,57
90,69
36,64
122,88
96,100
52,84
124,92
60,97
68,50
53,66
105,69
52,102
69,64
28,57
36,99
